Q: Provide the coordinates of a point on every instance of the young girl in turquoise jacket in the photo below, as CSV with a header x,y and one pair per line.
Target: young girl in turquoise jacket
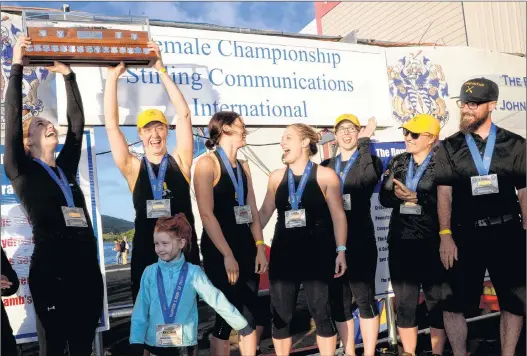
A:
x,y
165,315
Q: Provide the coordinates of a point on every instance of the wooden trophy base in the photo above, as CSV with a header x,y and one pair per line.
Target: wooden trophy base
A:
x,y
88,47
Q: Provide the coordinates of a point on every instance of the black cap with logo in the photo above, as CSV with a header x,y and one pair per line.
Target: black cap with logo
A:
x,y
479,90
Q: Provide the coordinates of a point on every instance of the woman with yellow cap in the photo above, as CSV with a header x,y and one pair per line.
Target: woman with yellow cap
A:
x,y
359,172
160,182
408,188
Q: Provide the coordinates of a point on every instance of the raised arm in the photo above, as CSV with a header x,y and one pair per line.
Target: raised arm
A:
x,y
369,167
204,175
268,206
256,226
15,158
70,154
124,160
184,151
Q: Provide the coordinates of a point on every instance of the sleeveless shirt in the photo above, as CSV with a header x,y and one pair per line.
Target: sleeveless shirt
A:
x,y
177,189
303,252
238,236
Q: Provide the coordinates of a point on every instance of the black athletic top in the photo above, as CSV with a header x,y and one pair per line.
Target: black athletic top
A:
x,y
39,194
404,226
360,183
178,191
303,252
238,236
456,166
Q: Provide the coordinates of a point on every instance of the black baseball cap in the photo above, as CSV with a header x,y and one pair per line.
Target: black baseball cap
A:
x,y
479,90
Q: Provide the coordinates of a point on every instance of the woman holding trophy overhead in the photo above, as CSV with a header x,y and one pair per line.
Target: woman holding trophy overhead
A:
x,y
160,182
68,301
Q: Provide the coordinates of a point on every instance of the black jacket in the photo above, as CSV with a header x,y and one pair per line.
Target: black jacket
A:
x,y
8,340
407,227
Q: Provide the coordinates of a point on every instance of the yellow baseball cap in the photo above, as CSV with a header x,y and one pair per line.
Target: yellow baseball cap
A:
x,y
347,117
423,123
150,115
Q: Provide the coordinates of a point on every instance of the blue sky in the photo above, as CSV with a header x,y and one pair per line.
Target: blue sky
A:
x,y
114,197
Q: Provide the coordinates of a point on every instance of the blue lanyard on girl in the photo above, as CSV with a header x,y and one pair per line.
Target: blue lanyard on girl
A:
x,y
238,184
296,197
482,165
157,182
411,179
169,314
62,182
347,167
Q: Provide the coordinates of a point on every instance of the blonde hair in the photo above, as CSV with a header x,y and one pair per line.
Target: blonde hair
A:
x,y
306,131
25,132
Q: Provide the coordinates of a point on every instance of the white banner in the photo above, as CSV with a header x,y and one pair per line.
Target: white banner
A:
x,y
17,241
269,80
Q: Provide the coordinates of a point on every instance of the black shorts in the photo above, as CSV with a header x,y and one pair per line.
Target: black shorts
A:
x,y
173,351
357,284
415,264
501,250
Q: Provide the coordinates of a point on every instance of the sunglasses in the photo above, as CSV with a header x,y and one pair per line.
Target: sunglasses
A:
x,y
414,135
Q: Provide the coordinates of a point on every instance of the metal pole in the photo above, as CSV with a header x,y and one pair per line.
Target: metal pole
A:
x,y
390,322
98,348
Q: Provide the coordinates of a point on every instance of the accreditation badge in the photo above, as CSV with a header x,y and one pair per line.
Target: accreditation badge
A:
x,y
158,208
410,209
346,201
169,335
243,214
295,218
482,185
74,217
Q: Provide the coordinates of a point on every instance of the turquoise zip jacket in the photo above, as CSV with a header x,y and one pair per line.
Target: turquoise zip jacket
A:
x,y
147,311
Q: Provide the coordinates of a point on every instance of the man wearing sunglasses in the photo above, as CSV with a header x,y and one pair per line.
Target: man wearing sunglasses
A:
x,y
481,177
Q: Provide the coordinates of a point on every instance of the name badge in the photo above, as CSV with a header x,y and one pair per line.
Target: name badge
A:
x,y
410,209
74,217
295,218
169,335
482,185
243,214
346,201
157,208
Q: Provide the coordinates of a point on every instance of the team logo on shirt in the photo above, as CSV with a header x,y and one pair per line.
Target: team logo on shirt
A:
x,y
32,77
418,86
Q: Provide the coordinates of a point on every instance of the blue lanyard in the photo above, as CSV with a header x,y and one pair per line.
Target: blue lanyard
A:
x,y
411,179
238,184
170,314
482,165
62,182
296,198
157,182
347,167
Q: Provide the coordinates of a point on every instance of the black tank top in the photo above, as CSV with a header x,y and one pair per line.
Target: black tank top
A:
x,y
303,252
177,189
238,236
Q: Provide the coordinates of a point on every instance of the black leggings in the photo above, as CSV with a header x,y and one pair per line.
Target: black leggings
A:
x,y
414,263
284,293
358,283
68,308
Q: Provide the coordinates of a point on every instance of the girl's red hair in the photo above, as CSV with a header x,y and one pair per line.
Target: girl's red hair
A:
x,y
176,226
